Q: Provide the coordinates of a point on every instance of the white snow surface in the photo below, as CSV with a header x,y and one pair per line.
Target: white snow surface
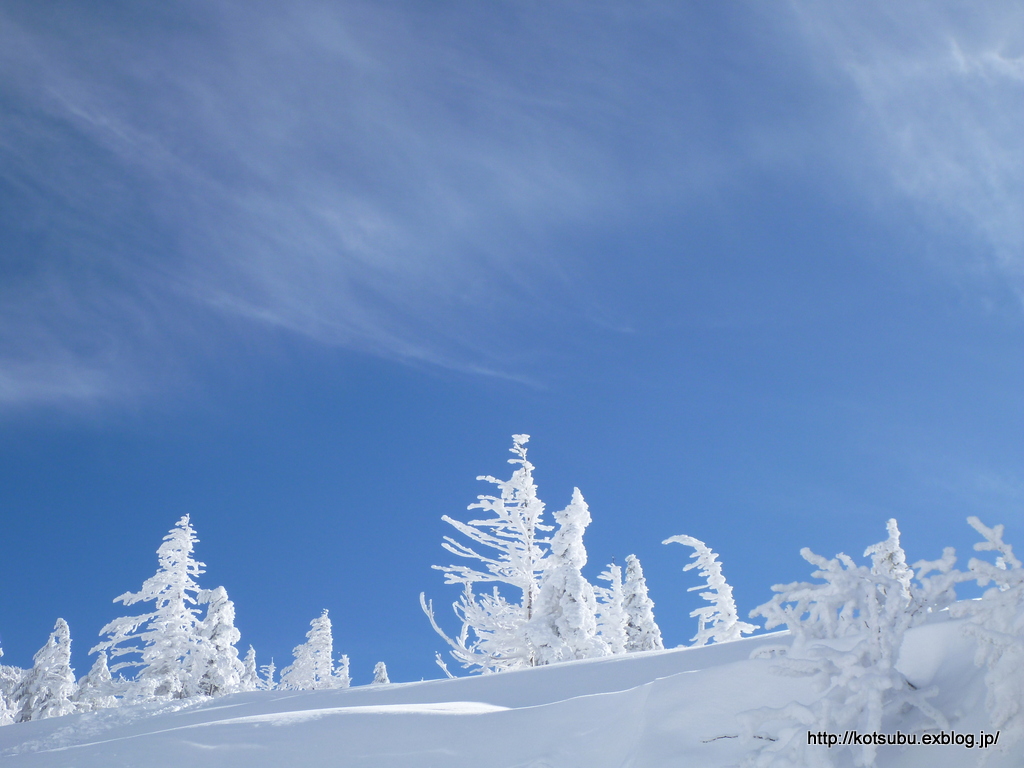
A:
x,y
642,710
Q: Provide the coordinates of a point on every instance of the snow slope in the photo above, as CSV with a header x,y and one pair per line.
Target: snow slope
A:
x,y
644,710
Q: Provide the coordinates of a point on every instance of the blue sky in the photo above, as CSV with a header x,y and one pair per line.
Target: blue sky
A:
x,y
752,273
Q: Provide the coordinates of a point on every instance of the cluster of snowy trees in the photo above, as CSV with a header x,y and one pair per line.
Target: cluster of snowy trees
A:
x,y
184,647
539,609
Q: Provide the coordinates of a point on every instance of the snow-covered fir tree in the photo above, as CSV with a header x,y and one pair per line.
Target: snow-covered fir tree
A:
x,y
313,668
10,678
380,674
216,668
564,623
611,610
48,688
97,689
266,681
167,639
250,674
642,631
718,622
509,548
342,672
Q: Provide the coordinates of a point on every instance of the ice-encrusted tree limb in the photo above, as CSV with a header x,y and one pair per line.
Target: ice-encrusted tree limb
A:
x,y
996,622
847,633
718,622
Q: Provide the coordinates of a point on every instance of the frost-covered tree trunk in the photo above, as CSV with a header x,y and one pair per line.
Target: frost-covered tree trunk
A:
x,y
97,689
718,622
167,639
642,632
48,689
313,668
508,548
380,674
564,623
611,611
216,669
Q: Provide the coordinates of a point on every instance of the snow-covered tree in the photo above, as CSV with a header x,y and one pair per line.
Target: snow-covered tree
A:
x,y
10,678
718,622
48,689
380,674
642,632
250,675
313,668
869,611
342,672
216,669
996,622
564,623
266,680
167,639
508,548
97,689
611,610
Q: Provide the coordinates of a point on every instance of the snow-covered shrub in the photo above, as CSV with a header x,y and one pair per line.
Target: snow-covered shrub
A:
x,y
564,622
847,632
380,674
250,673
611,610
313,668
48,688
509,548
996,621
718,622
265,681
642,631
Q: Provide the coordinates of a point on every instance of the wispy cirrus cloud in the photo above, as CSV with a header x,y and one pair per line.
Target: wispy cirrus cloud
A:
x,y
940,90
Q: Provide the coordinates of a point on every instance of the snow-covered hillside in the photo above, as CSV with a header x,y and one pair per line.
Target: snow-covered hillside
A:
x,y
645,710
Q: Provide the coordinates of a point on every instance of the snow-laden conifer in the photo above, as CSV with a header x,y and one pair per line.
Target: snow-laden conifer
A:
x,y
870,611
166,640
216,668
642,631
97,689
564,623
250,675
611,611
380,674
10,678
996,622
343,672
266,680
508,548
313,668
718,622
48,688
